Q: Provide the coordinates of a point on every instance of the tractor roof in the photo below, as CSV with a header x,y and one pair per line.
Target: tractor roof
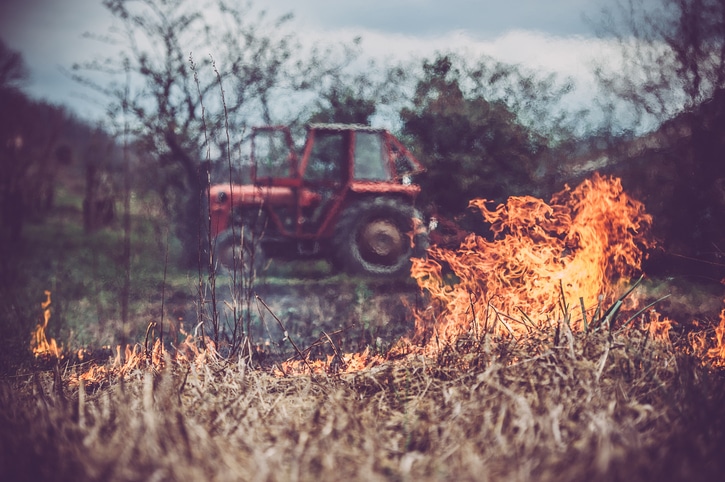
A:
x,y
345,127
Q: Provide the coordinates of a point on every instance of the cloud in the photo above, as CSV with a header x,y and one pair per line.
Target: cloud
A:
x,y
567,56
485,19
48,32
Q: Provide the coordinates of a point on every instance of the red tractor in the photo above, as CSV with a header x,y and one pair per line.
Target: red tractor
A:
x,y
347,197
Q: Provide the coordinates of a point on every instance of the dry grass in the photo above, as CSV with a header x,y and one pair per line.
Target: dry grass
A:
x,y
588,407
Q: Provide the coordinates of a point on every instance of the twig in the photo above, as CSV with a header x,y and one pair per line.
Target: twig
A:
x,y
633,317
603,361
150,326
284,330
163,293
320,341
336,350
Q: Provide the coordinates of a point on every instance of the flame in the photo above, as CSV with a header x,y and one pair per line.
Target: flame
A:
x,y
339,362
39,344
126,360
659,327
580,246
717,353
137,357
544,264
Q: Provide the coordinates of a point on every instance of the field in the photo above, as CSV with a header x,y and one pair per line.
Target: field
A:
x,y
441,380
591,407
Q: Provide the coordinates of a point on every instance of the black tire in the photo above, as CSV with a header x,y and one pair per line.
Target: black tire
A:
x,y
373,238
236,248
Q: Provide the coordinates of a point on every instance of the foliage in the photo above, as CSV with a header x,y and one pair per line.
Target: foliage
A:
x,y
26,148
481,129
43,144
671,56
13,71
670,75
355,98
26,159
345,107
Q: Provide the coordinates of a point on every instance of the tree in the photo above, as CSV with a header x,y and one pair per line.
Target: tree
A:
x,y
344,106
670,75
13,71
480,130
354,98
28,138
187,78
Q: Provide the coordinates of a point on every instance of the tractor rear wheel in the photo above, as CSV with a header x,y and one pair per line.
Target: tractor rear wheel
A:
x,y
378,237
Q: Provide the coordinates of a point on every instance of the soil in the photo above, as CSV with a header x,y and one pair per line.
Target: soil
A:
x,y
354,313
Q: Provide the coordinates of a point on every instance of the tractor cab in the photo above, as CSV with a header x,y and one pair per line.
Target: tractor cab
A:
x,y
337,160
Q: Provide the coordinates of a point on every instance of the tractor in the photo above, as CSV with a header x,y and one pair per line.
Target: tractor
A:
x,y
348,196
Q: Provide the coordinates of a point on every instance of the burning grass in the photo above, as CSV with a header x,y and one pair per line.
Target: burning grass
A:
x,y
582,246
586,406
504,379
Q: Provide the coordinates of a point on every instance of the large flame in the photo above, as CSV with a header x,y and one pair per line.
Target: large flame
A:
x,y
543,257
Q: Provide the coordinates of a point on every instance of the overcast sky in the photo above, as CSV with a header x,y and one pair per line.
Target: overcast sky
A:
x,y
541,33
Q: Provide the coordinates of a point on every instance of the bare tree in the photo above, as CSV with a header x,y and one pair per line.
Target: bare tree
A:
x,y
176,54
672,55
13,71
671,75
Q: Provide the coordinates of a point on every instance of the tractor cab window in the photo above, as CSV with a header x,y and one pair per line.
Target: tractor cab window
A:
x,y
370,157
327,158
271,154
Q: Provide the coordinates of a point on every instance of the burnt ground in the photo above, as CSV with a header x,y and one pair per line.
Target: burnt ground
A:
x,y
354,313
359,313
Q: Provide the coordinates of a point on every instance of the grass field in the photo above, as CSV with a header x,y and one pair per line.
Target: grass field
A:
x,y
592,407
382,392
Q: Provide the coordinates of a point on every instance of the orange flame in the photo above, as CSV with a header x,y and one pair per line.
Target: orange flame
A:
x,y
717,353
659,327
39,343
339,362
126,361
135,357
542,255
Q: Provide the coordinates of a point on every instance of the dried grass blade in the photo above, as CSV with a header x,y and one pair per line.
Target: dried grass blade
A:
x,y
633,317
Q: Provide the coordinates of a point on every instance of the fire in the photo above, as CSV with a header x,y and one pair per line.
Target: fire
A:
x,y
546,265
339,362
659,327
578,248
717,353
39,344
125,362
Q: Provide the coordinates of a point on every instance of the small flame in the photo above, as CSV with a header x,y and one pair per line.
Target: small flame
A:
x,y
339,362
659,327
39,343
126,361
717,353
135,357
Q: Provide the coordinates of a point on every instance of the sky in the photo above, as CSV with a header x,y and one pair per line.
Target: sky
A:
x,y
543,34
